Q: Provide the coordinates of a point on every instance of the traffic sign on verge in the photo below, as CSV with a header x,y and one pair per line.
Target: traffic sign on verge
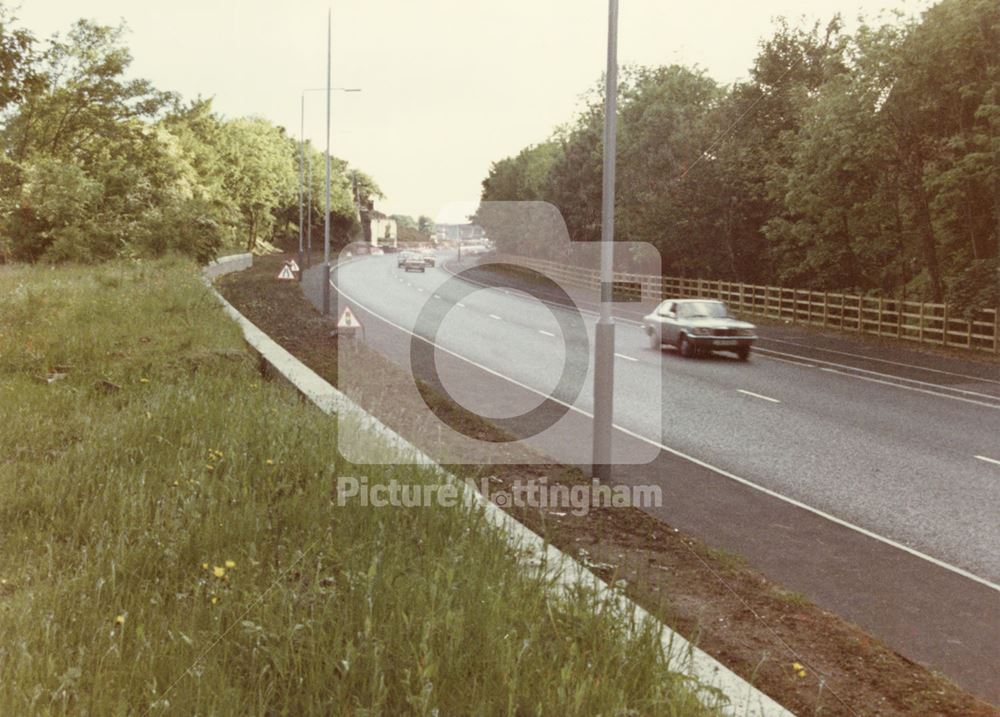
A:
x,y
347,320
286,273
293,265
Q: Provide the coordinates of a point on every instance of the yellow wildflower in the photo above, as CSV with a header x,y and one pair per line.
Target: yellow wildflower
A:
x,y
802,673
230,564
269,462
797,666
204,566
143,380
215,599
218,571
120,620
209,467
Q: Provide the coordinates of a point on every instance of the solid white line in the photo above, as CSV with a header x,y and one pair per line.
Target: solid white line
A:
x,y
988,460
890,375
794,363
882,360
698,462
494,316
757,395
912,388
627,358
546,333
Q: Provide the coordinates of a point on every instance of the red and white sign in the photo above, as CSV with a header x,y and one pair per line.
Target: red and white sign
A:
x,y
347,320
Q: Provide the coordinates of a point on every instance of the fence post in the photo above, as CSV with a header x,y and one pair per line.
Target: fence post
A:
x,y
879,316
944,325
826,307
920,336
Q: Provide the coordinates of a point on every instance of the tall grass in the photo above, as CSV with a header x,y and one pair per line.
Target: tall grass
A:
x,y
170,543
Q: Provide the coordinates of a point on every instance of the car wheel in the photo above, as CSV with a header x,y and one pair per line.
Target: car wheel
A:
x,y
685,346
743,353
654,340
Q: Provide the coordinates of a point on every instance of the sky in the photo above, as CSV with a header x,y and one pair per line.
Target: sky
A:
x,y
447,86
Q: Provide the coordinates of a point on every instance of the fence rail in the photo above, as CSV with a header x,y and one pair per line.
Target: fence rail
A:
x,y
920,322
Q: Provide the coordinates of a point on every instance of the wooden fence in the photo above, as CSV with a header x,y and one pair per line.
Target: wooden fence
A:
x,y
916,321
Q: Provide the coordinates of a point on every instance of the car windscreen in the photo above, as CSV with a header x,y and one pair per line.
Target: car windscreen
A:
x,y
696,309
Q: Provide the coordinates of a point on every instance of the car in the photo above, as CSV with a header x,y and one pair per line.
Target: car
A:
x,y
401,259
414,263
429,260
696,326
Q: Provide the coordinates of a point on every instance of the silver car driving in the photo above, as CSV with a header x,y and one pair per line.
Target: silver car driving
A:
x,y
698,326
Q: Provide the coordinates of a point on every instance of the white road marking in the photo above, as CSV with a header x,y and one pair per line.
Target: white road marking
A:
x,y
882,360
989,460
757,395
420,290
691,459
794,363
627,358
460,305
914,388
543,332
964,391
437,296
494,316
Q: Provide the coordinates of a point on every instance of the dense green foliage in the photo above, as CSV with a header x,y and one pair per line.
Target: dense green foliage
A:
x,y
866,162
94,165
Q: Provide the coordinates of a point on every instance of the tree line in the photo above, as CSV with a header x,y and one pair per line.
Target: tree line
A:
x,y
866,162
95,165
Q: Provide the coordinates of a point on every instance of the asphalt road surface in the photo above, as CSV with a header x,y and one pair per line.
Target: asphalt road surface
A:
x,y
867,479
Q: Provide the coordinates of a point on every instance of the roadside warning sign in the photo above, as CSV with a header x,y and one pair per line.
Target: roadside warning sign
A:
x,y
293,265
347,320
286,273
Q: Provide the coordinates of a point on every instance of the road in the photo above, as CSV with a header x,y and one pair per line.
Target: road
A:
x,y
869,482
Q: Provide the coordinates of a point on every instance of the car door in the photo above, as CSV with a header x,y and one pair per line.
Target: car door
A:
x,y
668,325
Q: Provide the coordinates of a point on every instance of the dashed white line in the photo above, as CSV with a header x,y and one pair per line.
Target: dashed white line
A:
x,y
420,290
757,395
989,460
437,296
494,316
627,358
543,332
460,305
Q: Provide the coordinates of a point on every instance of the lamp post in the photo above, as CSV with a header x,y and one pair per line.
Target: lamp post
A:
x,y
302,156
604,344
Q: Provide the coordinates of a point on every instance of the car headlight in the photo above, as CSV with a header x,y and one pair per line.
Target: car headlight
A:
x,y
746,332
701,331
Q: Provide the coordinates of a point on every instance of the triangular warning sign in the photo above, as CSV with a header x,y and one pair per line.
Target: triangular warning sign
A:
x,y
286,273
347,320
293,266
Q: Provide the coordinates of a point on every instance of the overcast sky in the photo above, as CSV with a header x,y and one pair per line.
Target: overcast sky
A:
x,y
449,86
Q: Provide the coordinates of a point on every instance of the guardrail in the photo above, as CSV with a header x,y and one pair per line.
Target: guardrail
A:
x,y
917,321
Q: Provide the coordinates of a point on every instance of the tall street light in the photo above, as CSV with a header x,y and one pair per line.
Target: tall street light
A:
x,y
302,170
604,344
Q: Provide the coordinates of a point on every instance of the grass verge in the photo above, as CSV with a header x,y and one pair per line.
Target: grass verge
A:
x,y
172,544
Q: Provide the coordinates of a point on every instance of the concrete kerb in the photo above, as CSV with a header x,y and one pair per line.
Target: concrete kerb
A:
x,y
565,571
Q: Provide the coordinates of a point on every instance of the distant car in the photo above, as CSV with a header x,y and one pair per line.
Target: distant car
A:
x,y
429,260
401,259
414,263
698,326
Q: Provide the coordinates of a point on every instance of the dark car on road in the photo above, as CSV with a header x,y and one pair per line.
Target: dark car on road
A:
x,y
698,326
